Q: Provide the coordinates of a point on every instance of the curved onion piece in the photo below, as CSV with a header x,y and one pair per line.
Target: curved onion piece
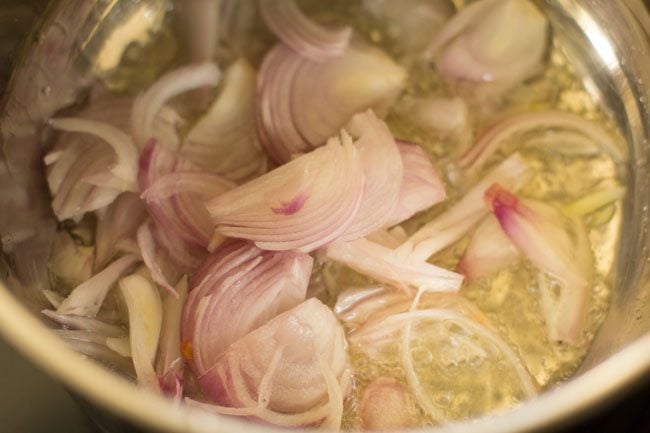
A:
x,y
384,265
357,307
492,40
382,165
176,202
421,186
305,346
490,141
70,263
169,361
488,251
301,103
455,222
301,205
386,405
87,298
147,106
540,232
125,168
147,246
413,23
243,288
119,221
145,318
224,140
82,323
301,34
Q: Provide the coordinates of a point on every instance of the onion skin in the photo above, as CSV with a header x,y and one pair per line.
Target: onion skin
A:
x,y
301,103
304,336
239,288
537,230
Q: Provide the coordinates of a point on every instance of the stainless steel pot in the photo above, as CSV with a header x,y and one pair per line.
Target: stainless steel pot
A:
x,y
608,41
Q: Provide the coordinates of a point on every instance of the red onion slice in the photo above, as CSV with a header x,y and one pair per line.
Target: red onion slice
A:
x,y
492,40
455,222
147,106
488,251
421,187
384,265
151,257
242,288
306,349
119,221
169,361
301,34
382,166
540,232
490,141
87,298
224,141
301,205
145,318
301,103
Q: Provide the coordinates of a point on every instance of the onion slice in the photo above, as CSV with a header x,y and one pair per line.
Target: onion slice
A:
x,y
494,137
301,205
169,361
301,34
421,186
457,220
540,232
147,106
301,103
238,289
384,265
145,318
223,141
386,405
87,298
312,362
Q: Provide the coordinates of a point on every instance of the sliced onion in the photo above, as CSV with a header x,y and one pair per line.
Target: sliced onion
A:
x,y
156,161
357,307
455,222
85,324
594,200
242,288
87,298
308,338
384,265
169,361
224,141
120,221
488,251
145,318
386,405
391,238
304,36
126,153
301,205
492,40
421,186
147,106
101,353
382,166
540,233
494,137
301,103
151,257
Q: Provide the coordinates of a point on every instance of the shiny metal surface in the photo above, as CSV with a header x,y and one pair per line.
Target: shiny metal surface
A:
x,y
607,41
